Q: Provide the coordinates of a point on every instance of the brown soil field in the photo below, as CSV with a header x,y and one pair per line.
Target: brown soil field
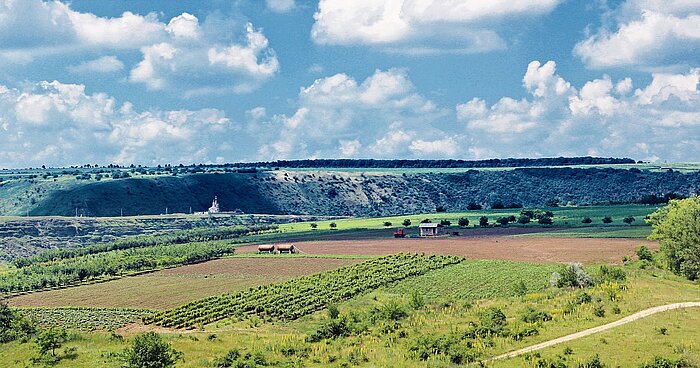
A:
x,y
541,250
176,286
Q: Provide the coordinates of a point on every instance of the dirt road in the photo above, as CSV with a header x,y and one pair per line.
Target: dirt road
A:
x,y
591,331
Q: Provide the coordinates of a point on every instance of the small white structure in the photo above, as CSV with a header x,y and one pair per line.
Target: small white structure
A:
x,y
430,229
214,206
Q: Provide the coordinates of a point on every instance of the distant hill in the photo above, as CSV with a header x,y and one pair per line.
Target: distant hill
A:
x,y
506,162
336,193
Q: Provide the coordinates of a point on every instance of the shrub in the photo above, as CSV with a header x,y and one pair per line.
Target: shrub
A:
x,y
330,330
149,350
387,223
644,254
14,326
572,275
599,311
607,220
425,221
520,288
333,225
406,222
586,220
661,362
545,220
533,315
524,220
503,221
628,220
333,311
393,311
417,301
611,274
314,225
445,222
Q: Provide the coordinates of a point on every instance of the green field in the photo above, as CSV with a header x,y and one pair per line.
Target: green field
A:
x,y
563,217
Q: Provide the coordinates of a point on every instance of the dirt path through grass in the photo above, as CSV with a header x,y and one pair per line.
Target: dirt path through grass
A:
x,y
591,331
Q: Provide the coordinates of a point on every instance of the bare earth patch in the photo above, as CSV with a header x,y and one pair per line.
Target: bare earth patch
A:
x,y
540,250
176,286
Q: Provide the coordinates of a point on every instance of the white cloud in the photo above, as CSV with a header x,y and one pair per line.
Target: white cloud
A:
x,y
105,64
181,55
280,6
419,26
54,123
648,33
660,120
337,116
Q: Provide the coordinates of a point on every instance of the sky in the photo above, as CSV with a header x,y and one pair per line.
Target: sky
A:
x,y
170,82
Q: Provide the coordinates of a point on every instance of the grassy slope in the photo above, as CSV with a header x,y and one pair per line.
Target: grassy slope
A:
x,y
645,289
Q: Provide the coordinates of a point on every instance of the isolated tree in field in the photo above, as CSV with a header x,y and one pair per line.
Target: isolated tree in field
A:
x,y
677,228
586,220
333,225
445,222
503,221
387,223
463,222
149,350
50,340
406,222
314,225
628,220
607,220
425,221
483,221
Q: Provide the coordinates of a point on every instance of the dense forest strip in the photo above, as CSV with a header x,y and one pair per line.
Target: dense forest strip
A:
x,y
141,241
71,271
372,163
304,295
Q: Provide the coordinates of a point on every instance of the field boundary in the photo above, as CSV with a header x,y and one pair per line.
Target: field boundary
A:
x,y
631,318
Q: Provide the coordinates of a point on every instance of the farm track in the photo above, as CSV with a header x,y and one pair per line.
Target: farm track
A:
x,y
631,318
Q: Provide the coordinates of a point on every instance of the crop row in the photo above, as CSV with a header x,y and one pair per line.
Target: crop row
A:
x,y
304,295
142,241
86,319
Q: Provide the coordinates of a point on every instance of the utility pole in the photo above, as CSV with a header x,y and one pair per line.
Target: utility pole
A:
x,y
166,210
121,212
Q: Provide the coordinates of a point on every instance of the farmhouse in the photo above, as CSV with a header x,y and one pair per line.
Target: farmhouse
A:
x,y
430,229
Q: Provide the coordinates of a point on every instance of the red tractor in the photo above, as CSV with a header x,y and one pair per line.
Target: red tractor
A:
x,y
399,233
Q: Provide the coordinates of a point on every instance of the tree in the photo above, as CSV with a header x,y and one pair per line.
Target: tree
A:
x,y
149,350
463,222
440,209
473,206
677,228
387,223
425,221
607,220
586,220
503,221
445,222
483,221
406,222
524,220
644,254
314,225
333,225
628,220
50,340
544,220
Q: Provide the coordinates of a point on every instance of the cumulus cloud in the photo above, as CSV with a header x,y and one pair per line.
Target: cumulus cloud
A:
x,y
337,116
181,55
647,34
420,26
53,123
660,120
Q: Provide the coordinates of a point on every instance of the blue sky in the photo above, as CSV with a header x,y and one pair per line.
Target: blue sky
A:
x,y
149,82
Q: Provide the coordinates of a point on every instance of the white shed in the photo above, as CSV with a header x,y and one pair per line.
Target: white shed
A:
x,y
430,229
